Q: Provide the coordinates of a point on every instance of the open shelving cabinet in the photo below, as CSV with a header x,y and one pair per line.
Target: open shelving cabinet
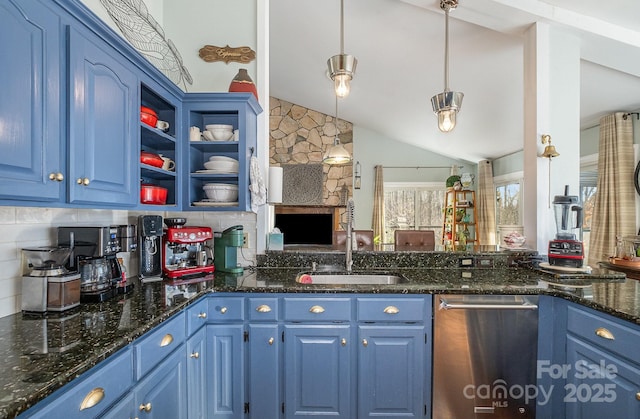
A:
x,y
459,226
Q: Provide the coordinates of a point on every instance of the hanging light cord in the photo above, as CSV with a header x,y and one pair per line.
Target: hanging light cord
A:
x,y
446,49
336,121
341,27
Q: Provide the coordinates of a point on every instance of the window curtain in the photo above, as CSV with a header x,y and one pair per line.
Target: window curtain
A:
x,y
614,211
486,205
378,204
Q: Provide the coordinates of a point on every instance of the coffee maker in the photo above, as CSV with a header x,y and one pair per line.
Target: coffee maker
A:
x,y
184,250
566,250
150,228
93,255
226,249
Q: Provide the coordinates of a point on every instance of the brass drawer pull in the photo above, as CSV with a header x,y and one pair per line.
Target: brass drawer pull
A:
x,y
263,308
638,395
83,181
92,398
166,340
59,177
604,333
365,342
391,310
316,309
202,315
343,342
223,310
195,355
145,407
271,340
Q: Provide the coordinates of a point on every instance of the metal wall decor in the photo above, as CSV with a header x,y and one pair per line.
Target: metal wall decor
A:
x,y
147,36
212,53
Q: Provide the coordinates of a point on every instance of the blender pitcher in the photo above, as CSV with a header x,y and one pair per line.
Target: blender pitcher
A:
x,y
568,215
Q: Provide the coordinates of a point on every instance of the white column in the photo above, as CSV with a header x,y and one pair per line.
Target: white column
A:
x,y
551,106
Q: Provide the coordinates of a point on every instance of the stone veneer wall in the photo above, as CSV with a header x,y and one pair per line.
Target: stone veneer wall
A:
x,y
298,135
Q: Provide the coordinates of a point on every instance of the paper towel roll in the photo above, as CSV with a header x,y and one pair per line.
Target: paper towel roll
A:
x,y
274,193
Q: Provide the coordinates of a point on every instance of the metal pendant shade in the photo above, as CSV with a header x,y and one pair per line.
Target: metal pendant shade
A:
x,y
336,154
342,67
447,104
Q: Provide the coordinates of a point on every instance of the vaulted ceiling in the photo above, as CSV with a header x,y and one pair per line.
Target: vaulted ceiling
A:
x,y
399,45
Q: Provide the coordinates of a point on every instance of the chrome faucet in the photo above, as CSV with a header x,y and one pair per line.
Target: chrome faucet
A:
x,y
349,250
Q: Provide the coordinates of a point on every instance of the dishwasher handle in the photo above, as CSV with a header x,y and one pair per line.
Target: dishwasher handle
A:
x,y
526,305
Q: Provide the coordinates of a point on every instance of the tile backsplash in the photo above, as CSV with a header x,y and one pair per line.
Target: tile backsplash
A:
x,y
28,227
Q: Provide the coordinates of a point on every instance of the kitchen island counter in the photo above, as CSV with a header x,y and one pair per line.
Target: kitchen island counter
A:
x,y
41,354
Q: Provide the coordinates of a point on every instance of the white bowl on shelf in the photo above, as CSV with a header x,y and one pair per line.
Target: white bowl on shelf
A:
x,y
221,192
222,166
218,126
220,134
222,158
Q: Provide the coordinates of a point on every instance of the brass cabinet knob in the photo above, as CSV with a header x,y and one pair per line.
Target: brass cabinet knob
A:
x,y
83,181
343,342
145,407
92,398
604,333
166,340
638,395
202,315
263,308
365,342
223,310
391,310
195,355
59,177
271,340
316,309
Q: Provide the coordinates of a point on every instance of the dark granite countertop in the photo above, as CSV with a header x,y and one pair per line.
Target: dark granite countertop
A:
x,y
35,364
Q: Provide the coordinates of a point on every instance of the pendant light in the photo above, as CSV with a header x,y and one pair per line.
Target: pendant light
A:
x,y
447,104
342,66
336,154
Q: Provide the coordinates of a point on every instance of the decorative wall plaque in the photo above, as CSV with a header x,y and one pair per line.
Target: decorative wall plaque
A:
x,y
211,53
302,184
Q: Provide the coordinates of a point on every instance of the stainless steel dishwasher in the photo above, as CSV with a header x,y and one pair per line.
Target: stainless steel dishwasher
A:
x,y
484,356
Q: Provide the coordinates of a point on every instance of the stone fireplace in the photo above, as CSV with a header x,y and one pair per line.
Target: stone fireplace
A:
x,y
314,194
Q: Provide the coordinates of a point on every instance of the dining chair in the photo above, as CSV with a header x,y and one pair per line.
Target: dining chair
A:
x,y
420,240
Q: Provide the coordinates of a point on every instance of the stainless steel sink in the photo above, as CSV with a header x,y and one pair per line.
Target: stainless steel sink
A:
x,y
314,278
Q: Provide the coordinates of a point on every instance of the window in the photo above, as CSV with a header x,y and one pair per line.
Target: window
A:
x,y
412,206
508,205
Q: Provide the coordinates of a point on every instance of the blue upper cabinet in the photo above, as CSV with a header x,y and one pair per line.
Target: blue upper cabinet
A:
x,y
31,108
103,128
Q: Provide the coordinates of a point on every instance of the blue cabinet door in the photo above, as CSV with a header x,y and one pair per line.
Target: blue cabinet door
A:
x,y
599,385
103,123
196,375
318,371
264,380
225,371
30,102
391,371
162,393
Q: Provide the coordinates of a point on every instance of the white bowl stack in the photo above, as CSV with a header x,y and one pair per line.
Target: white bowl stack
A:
x,y
222,164
221,192
219,132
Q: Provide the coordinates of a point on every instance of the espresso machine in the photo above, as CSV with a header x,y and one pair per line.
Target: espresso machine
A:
x,y
184,248
566,250
150,228
49,286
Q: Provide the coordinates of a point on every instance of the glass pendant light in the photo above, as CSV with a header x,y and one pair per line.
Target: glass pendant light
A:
x,y
342,67
447,104
336,154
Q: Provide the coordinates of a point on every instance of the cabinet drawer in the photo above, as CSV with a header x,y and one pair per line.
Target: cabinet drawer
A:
x,y
604,330
263,309
159,343
391,309
317,309
91,393
225,309
197,315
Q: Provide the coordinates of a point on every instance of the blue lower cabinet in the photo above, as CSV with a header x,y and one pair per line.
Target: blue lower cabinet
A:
x,y
196,355
264,366
163,393
317,371
225,371
391,371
